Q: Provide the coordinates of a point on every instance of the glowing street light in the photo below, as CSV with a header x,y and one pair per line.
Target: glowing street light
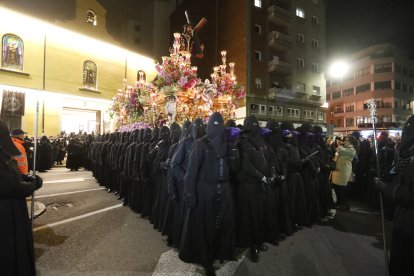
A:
x,y
338,69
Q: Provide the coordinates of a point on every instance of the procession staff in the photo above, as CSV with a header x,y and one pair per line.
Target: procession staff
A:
x,y
208,230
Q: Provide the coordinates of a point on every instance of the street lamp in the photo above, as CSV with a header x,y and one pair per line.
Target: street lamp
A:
x,y
337,70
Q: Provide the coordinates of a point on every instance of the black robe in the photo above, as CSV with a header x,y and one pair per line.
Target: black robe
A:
x,y
208,230
16,239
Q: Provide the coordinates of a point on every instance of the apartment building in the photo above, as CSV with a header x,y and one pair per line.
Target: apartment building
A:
x,y
383,72
278,48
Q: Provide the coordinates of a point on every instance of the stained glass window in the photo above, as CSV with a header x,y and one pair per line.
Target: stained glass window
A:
x,y
12,52
89,74
141,76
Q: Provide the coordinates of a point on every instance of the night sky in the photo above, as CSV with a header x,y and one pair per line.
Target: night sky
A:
x,y
355,24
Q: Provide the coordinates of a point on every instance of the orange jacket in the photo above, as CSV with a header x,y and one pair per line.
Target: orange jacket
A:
x,y
21,159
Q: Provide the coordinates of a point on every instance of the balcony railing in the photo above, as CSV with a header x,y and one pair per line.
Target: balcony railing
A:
x,y
278,66
279,15
279,40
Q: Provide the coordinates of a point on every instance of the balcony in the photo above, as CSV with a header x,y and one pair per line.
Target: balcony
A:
x,y
278,15
277,66
286,94
279,41
316,95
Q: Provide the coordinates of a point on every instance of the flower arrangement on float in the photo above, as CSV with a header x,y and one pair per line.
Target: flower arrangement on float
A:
x,y
177,94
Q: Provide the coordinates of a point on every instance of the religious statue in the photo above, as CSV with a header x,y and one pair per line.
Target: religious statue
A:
x,y
189,38
171,108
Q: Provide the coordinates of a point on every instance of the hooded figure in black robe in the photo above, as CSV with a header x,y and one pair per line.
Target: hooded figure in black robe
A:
x,y
128,166
170,185
135,202
325,188
255,221
44,155
295,186
145,173
208,230
401,190
73,161
179,165
16,240
159,170
280,157
310,171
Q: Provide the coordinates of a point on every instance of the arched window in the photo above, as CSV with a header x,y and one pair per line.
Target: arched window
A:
x,y
12,52
141,76
91,18
89,74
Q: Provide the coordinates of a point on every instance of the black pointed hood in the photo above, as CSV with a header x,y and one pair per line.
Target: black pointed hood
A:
x,y
175,132
147,135
186,130
252,124
155,134
198,129
164,133
275,138
6,143
230,123
216,134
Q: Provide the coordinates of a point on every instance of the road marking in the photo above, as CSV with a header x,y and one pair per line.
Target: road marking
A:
x,y
78,179
68,193
76,218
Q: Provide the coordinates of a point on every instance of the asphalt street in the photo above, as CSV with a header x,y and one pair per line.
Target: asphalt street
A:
x,y
86,231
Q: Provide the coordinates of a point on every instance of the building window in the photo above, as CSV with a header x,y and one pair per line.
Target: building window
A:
x,y
349,107
363,88
300,87
315,67
300,38
89,74
387,118
362,71
349,122
91,18
141,76
275,110
300,62
316,90
257,28
258,109
293,112
258,82
309,114
258,3
300,13
336,95
258,55
12,52
137,28
348,92
321,116
382,68
315,20
315,43
410,74
381,85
